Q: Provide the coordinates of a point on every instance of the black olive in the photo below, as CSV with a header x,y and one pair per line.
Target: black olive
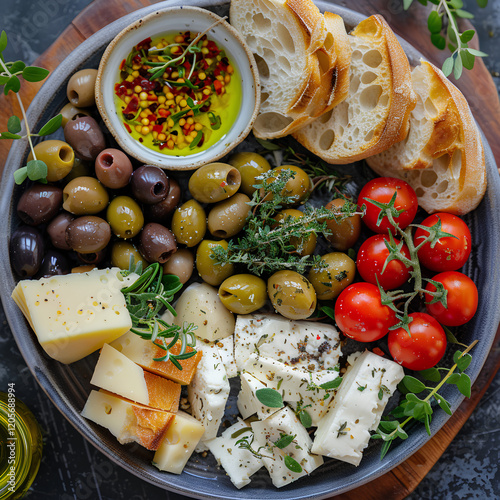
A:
x,y
26,251
160,212
85,137
54,263
88,234
149,184
92,258
39,203
157,243
57,230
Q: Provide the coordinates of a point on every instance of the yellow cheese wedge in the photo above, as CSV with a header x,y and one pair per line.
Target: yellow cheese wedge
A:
x,y
179,443
118,374
143,352
127,421
76,314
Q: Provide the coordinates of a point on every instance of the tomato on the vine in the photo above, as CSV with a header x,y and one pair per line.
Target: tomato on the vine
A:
x,y
371,259
360,315
461,299
449,253
423,348
382,190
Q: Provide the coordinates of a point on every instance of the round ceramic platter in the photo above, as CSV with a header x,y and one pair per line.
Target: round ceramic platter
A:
x,y
68,386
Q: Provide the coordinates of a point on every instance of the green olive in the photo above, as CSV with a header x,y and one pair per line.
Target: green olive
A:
x,y
209,271
181,264
70,112
80,169
57,155
81,88
189,223
296,188
228,217
125,217
250,165
121,252
214,182
346,233
243,293
331,280
84,195
304,246
291,294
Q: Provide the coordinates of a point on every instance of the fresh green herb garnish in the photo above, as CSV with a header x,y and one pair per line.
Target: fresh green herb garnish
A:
x,y
269,397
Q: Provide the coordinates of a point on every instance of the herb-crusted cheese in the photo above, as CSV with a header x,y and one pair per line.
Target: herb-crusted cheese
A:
x,y
225,348
343,433
270,430
238,463
248,404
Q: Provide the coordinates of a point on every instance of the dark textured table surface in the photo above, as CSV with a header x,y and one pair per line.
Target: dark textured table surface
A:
x,y
73,469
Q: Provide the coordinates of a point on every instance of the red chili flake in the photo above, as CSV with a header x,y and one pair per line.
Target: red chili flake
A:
x,y
218,86
217,71
144,44
378,351
157,128
132,106
120,90
212,46
164,112
136,59
318,337
152,98
127,126
122,65
187,65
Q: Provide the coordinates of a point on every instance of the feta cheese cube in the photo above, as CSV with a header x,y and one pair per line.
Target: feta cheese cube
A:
x,y
248,404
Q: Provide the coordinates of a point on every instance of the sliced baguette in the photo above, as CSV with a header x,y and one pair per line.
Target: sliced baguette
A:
x,y
376,111
296,54
442,157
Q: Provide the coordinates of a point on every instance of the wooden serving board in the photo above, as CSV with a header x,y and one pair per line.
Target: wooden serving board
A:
x,y
481,93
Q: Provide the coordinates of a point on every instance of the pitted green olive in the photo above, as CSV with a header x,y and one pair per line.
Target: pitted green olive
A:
x,y
125,217
189,223
331,280
209,271
84,195
228,217
297,188
121,252
57,155
70,112
214,182
250,165
80,169
291,294
81,88
346,233
304,246
243,293
181,264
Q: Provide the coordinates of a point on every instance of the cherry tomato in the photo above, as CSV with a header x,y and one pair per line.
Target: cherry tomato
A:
x,y
359,313
423,348
371,259
450,252
461,300
382,189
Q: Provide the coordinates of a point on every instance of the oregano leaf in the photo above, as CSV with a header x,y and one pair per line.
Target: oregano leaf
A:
x,y
464,385
477,53
438,41
292,464
431,374
458,68
35,74
464,14
17,66
332,384
14,125
269,397
453,379
284,441
8,135
413,384
443,404
13,84
37,170
51,126
305,419
467,36
467,59
20,175
3,41
464,362
268,145
434,22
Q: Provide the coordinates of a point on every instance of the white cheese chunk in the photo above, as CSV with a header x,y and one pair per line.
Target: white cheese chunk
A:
x,y
248,404
316,406
225,348
343,433
75,314
239,463
179,443
209,390
301,344
269,431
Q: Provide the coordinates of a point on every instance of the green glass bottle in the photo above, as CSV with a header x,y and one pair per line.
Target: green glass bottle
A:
x,y
20,446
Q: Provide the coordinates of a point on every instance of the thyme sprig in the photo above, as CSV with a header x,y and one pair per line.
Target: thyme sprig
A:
x,y
265,246
413,408
145,298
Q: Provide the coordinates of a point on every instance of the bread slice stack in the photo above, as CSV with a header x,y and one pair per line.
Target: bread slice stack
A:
x,y
442,157
376,112
303,60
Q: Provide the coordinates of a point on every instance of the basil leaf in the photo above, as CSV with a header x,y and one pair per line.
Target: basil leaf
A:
x,y
269,397
35,74
51,126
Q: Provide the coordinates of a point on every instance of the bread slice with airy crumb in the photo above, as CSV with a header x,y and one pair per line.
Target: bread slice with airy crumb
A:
x,y
376,112
442,157
296,52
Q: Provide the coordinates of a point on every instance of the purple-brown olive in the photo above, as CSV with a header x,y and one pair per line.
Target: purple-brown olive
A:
x,y
54,263
157,243
39,204
88,234
113,168
161,212
85,137
81,85
93,257
26,251
57,230
181,264
149,184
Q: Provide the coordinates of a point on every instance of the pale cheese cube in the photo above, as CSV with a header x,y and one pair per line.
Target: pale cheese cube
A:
x,y
269,431
238,463
315,406
179,443
73,315
343,433
248,403
128,421
116,373
208,391
225,348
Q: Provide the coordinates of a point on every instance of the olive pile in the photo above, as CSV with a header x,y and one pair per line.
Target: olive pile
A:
x,y
97,209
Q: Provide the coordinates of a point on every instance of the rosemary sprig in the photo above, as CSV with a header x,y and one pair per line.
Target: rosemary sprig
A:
x,y
145,298
412,408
